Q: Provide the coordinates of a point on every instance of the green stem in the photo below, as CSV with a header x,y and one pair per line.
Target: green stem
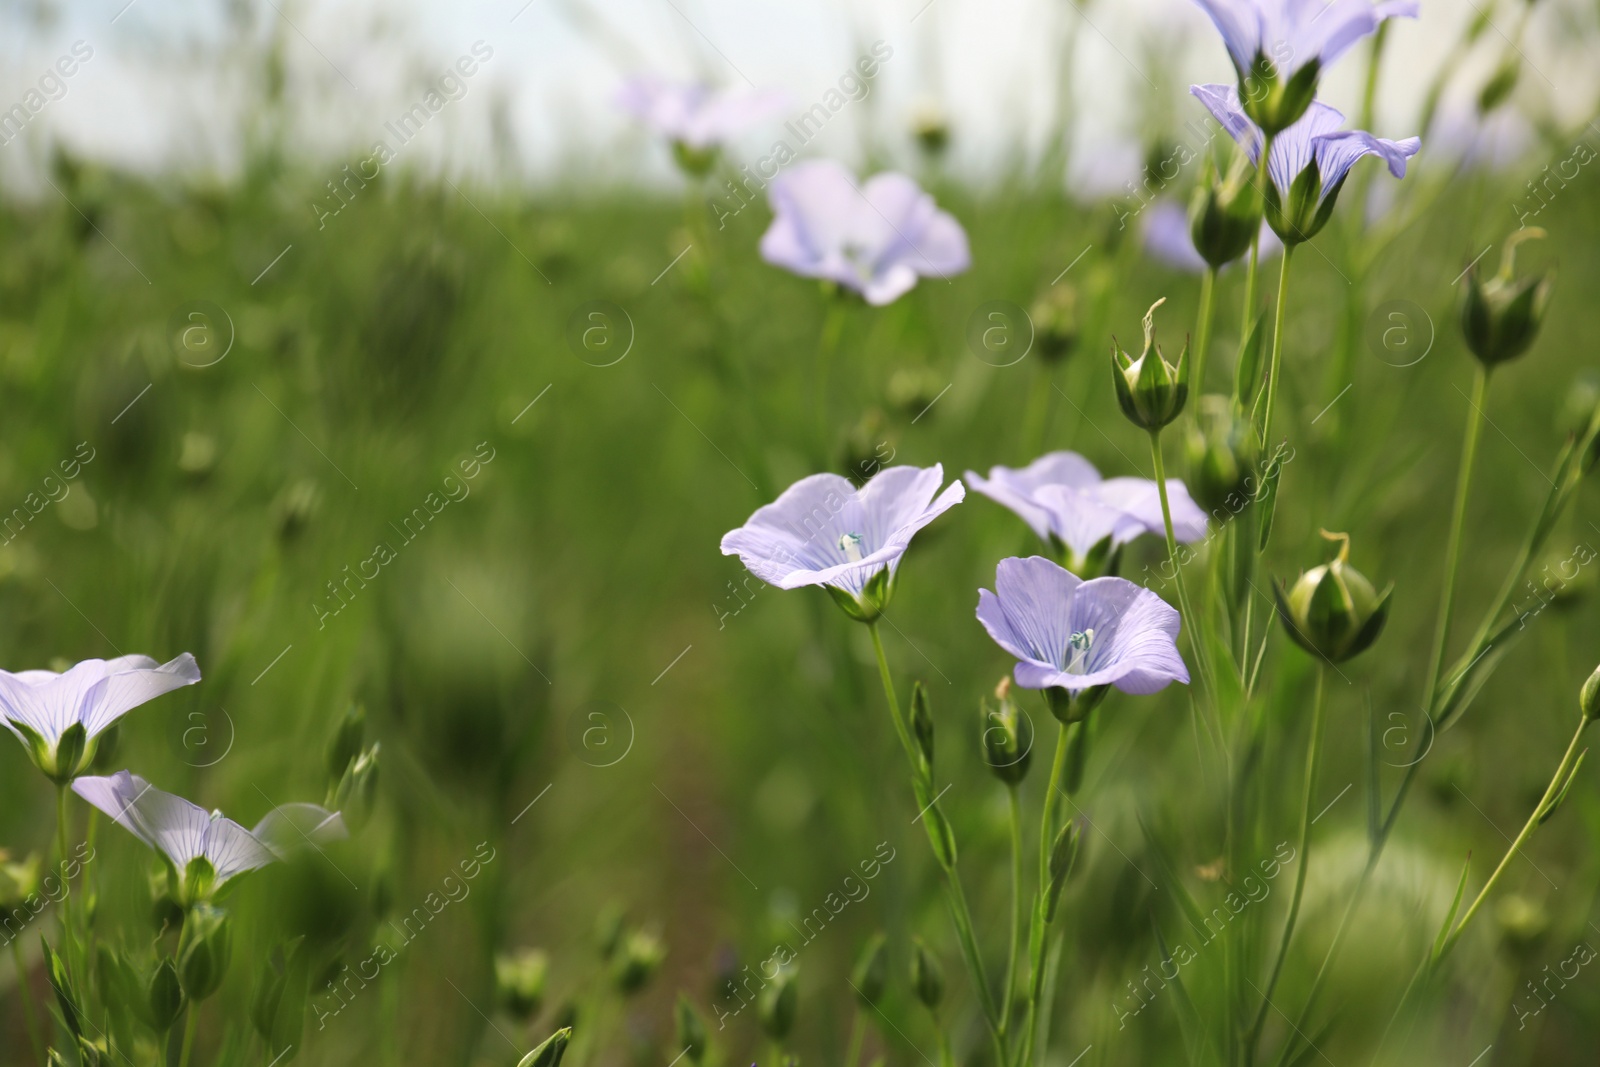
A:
x,y
1208,292
1008,990
960,914
1452,554
1190,619
858,1034
1274,367
1304,857
1262,178
1036,938
29,1012
827,344
191,1018
1563,770
62,836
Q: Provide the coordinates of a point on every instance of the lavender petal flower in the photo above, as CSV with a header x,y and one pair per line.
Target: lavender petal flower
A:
x,y
695,115
823,531
1072,634
875,239
1289,34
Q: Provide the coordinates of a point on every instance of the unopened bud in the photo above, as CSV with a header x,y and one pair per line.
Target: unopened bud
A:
x,y
1333,610
1589,696
549,1053
1501,317
519,980
165,996
345,744
204,950
1225,214
1063,857
776,1006
1055,322
1007,737
1151,391
871,972
638,959
927,977
922,725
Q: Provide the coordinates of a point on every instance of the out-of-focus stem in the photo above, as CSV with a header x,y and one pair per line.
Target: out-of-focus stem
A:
x,y
1190,619
1276,365
1208,292
29,1013
1008,990
1452,554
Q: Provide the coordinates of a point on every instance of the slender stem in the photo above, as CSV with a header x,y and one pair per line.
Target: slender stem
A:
x,y
29,1013
191,1018
1262,178
1190,619
946,1058
1452,554
1036,937
1275,366
858,1034
1008,990
1539,811
1304,857
1208,292
62,836
960,914
827,344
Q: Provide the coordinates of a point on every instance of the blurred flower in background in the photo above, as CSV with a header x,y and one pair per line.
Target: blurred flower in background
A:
x,y
875,239
698,119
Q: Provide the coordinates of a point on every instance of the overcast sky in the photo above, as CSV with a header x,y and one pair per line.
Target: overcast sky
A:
x,y
176,83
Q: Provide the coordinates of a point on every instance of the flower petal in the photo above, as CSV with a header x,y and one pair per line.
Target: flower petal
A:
x,y
1295,148
289,827
1337,152
167,823
233,850
1240,25
1135,644
1224,104
1017,489
1141,498
131,681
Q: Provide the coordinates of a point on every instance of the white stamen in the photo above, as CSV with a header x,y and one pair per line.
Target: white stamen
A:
x,y
850,545
1078,646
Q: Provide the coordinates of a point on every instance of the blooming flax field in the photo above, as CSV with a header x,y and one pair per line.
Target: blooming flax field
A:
x,y
847,617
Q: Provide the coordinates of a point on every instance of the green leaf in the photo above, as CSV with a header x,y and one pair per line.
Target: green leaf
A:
x,y
940,836
61,983
1548,812
1247,373
1455,906
1267,498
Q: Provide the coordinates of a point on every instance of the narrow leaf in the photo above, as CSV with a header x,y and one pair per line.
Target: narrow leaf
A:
x,y
1455,905
1550,811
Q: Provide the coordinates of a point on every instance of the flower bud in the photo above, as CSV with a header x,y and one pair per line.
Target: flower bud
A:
x,y
695,162
691,1030
776,1006
550,1052
353,795
927,977
1273,102
204,950
165,996
19,879
1063,857
1498,88
345,744
638,959
1055,322
871,972
1225,213
1589,696
1522,922
1007,736
1333,610
1501,317
931,128
1151,391
1222,456
922,725
519,980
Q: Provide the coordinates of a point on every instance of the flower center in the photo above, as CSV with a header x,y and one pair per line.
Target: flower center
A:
x,y
850,545
1078,646
861,258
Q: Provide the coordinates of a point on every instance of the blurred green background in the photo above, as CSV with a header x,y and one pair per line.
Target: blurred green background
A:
x,y
567,635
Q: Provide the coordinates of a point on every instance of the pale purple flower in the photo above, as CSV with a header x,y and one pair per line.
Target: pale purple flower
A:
x,y
1168,238
695,115
1314,139
875,239
1061,494
824,531
183,832
1289,34
40,706
1073,634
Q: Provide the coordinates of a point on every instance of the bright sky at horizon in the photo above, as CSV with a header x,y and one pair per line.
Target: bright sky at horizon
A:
x,y
178,87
